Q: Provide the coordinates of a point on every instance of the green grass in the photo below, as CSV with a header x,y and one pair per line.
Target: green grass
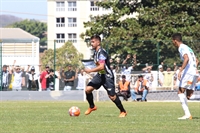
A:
x,y
52,117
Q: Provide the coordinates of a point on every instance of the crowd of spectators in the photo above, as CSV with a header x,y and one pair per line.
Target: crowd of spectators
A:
x,y
16,78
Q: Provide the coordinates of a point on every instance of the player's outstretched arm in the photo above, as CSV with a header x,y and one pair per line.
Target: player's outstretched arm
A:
x,y
96,69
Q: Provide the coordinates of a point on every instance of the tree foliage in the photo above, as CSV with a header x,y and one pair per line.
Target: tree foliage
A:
x,y
65,55
33,27
149,33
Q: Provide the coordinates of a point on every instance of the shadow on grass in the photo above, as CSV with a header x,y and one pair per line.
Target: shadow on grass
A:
x,y
195,118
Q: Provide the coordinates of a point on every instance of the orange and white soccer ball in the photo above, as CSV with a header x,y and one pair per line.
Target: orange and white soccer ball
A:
x,y
74,111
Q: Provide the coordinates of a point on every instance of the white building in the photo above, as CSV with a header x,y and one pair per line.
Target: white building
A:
x,y
65,22
19,45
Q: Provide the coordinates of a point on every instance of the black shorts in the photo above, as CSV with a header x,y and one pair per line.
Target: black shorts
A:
x,y
107,82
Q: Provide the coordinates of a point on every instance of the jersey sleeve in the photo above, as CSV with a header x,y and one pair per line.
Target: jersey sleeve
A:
x,y
102,56
182,51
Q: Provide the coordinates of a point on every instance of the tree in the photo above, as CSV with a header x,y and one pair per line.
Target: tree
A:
x,y
67,54
33,27
150,31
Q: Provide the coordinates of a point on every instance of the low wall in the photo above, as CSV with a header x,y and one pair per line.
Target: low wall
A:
x,y
77,95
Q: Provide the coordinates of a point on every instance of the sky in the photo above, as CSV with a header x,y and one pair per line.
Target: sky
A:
x,y
26,9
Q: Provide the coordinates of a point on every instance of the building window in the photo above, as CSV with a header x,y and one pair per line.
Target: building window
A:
x,y
60,38
72,22
93,7
104,9
60,6
72,6
60,22
72,37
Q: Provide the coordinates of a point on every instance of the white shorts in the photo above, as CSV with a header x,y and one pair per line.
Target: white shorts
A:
x,y
188,81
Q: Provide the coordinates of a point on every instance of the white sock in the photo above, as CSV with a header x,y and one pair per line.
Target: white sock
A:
x,y
195,97
183,101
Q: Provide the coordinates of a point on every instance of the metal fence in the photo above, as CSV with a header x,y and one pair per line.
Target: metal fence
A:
x,y
148,53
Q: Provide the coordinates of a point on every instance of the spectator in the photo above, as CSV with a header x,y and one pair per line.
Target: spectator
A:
x,y
61,80
19,80
26,76
168,76
33,83
69,77
113,68
124,88
126,70
5,78
50,79
160,76
148,76
81,80
43,79
141,88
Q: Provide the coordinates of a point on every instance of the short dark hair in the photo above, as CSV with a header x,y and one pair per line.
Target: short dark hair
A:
x,y
96,37
69,65
140,76
177,36
123,76
51,70
5,66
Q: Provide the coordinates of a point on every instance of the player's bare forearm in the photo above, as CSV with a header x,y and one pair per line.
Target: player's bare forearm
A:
x,y
98,68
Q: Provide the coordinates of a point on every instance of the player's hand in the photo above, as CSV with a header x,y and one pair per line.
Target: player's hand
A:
x,y
179,76
87,70
134,56
174,63
128,56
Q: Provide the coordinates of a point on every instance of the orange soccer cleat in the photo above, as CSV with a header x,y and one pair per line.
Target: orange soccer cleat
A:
x,y
123,114
89,110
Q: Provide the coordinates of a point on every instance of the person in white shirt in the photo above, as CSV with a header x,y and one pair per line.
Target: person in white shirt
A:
x,y
81,80
126,70
148,75
187,73
19,80
160,76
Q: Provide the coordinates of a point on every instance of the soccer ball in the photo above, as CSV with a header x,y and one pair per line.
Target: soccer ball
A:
x,y
74,111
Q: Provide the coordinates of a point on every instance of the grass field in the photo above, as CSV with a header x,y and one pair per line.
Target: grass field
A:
x,y
52,117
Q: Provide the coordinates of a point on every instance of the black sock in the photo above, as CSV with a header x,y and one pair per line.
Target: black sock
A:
x,y
89,98
119,104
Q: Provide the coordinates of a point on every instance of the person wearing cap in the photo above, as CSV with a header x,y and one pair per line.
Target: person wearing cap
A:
x,y
160,76
19,79
5,78
124,88
69,77
33,83
141,88
148,75
50,78
43,79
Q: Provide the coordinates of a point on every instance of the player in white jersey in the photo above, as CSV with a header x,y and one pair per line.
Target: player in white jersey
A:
x,y
187,74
